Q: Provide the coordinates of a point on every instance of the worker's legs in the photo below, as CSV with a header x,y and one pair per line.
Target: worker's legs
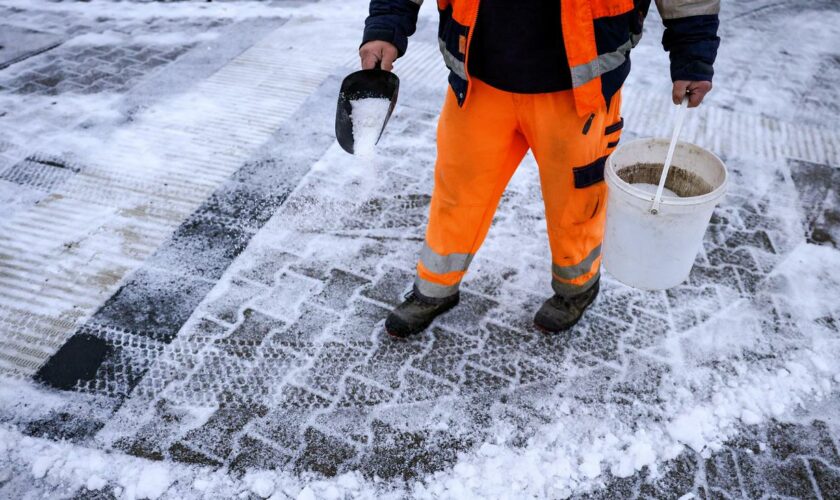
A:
x,y
479,148
571,152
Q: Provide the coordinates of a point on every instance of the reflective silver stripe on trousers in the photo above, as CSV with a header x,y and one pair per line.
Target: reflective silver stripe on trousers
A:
x,y
577,270
674,9
604,63
418,2
635,38
442,264
451,61
568,290
433,290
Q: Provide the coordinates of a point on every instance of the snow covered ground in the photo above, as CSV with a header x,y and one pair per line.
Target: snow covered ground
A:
x,y
194,276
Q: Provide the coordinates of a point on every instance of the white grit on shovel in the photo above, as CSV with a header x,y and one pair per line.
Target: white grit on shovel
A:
x,y
368,117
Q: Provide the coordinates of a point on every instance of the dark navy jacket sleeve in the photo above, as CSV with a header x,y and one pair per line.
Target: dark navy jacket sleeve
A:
x,y
690,37
392,21
692,44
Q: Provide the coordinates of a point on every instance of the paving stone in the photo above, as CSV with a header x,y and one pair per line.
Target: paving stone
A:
x,y
264,268
17,44
387,361
477,380
597,337
285,422
287,297
214,436
363,324
789,478
501,350
226,306
419,386
391,286
488,279
787,440
324,454
339,289
333,362
648,329
640,380
86,494
722,473
202,248
77,360
61,426
466,316
448,354
153,303
183,453
256,454
360,393
677,479
245,204
616,488
312,323
93,69
826,477
593,386
819,197
750,469
154,436
408,455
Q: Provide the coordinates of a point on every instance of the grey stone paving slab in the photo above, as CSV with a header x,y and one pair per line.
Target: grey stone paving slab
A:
x,y
16,43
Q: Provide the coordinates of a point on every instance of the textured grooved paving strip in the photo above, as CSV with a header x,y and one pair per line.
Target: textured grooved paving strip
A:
x,y
731,133
194,150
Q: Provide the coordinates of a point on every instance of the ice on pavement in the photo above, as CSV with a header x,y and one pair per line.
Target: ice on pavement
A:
x,y
368,116
278,382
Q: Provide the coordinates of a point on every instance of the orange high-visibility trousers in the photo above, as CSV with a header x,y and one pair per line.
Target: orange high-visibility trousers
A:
x,y
480,147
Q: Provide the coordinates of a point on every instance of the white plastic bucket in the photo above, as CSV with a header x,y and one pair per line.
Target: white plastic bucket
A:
x,y
655,252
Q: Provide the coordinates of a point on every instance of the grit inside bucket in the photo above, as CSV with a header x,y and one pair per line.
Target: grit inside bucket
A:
x,y
656,251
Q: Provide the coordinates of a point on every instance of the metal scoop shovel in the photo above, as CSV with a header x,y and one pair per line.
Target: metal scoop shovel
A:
x,y
366,83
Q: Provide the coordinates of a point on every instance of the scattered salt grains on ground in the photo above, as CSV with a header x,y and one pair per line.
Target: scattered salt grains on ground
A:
x,y
368,116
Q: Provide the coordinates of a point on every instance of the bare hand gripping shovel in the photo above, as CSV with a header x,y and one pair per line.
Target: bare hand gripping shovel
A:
x,y
366,83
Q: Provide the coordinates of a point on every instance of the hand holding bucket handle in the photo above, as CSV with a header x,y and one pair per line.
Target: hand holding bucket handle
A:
x,y
681,111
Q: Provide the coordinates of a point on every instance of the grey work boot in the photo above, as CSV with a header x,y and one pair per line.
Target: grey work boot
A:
x,y
416,313
561,313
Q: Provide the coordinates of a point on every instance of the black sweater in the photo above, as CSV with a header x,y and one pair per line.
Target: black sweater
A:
x,y
518,47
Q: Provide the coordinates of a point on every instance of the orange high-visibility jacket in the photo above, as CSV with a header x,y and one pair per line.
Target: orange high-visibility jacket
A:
x,y
578,22
597,34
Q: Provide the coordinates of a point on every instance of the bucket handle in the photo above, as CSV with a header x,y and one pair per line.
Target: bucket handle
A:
x,y
681,111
